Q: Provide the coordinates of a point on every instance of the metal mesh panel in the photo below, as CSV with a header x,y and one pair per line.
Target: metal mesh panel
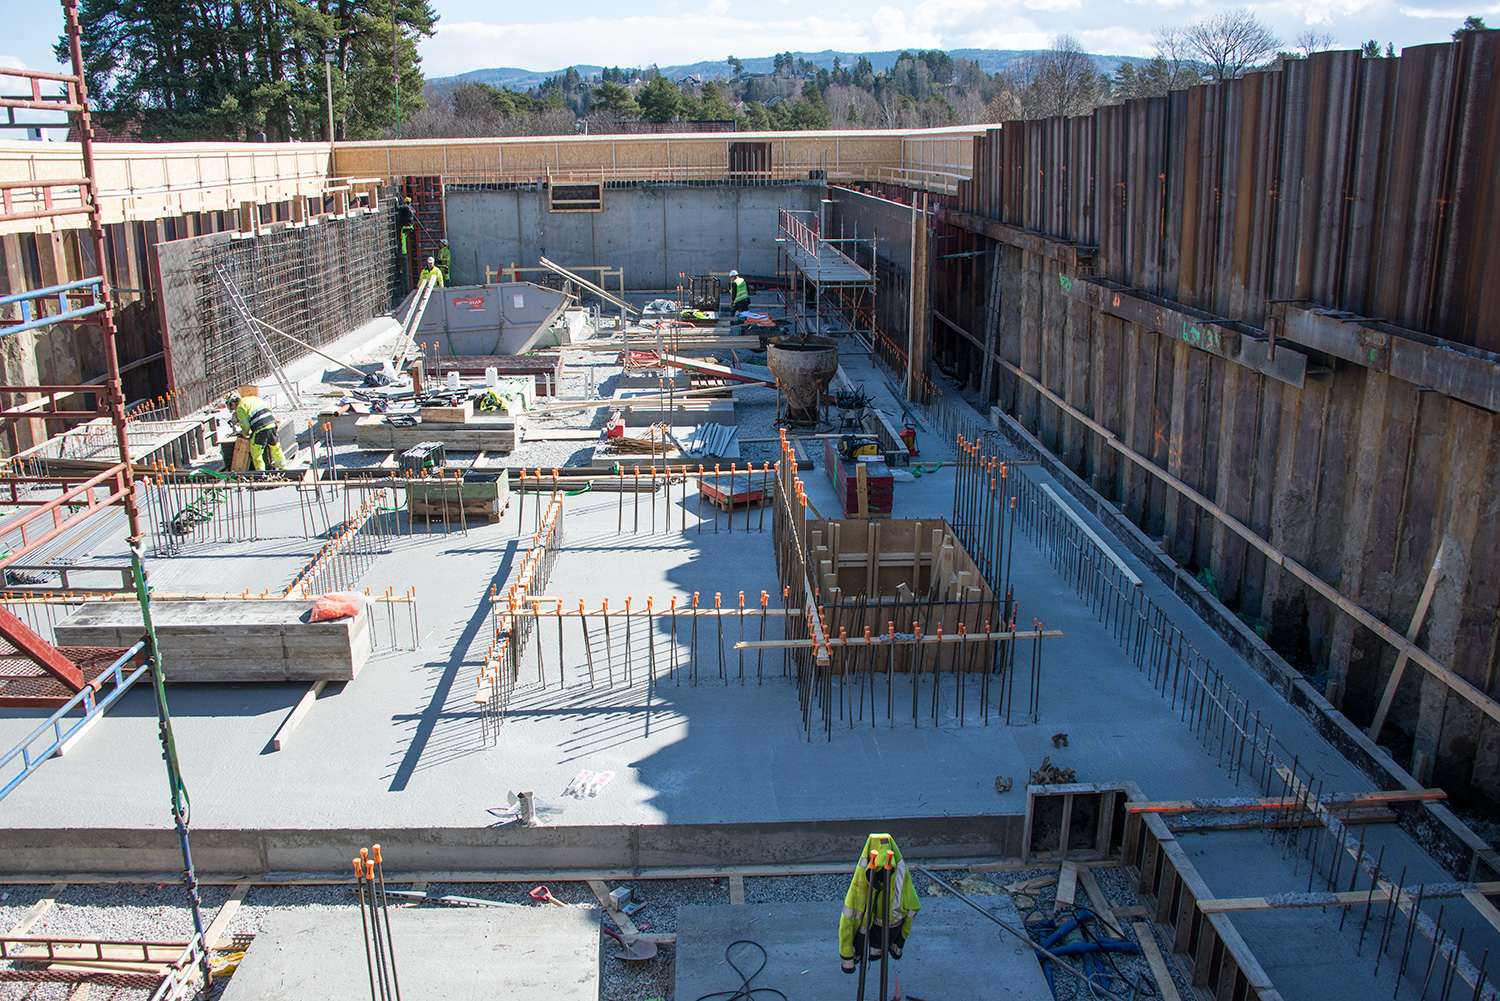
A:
x,y
315,282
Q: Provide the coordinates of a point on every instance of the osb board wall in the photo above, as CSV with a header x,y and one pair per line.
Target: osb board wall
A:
x,y
907,554
478,158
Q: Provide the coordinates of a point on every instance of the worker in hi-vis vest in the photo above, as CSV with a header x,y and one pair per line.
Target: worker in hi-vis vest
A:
x,y
257,423
406,218
739,293
445,261
880,905
431,271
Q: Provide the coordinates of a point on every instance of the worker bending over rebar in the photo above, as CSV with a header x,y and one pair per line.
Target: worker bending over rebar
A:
x,y
257,423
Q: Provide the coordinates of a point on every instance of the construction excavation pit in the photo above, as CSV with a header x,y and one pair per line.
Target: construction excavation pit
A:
x,y
974,611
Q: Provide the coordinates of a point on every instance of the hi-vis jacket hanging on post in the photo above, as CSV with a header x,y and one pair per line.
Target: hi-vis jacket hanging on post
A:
x,y
894,909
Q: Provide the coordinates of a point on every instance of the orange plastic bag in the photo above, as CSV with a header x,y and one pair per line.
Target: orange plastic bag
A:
x,y
338,605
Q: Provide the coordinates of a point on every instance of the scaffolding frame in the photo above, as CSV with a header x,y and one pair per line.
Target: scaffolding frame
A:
x,y
113,486
826,271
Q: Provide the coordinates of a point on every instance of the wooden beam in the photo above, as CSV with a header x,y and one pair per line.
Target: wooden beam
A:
x,y
1332,801
297,715
1165,986
1412,631
601,893
226,914
736,889
1083,527
1101,903
1345,898
1067,886
37,911
1475,896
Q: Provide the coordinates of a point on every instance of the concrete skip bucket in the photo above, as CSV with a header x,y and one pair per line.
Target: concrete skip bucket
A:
x,y
803,367
508,318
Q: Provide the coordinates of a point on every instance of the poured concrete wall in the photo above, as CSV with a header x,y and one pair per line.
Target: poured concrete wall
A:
x,y
499,848
654,233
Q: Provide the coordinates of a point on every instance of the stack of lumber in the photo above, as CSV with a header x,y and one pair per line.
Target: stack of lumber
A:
x,y
460,413
481,433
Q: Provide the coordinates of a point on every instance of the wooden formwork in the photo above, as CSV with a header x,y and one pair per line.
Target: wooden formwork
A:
x,y
1078,820
1167,883
908,574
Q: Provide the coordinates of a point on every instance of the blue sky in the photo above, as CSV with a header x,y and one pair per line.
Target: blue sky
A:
x,y
475,34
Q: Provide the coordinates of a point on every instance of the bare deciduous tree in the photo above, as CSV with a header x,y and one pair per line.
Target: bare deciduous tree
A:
x,y
1312,40
1229,42
1061,80
1172,49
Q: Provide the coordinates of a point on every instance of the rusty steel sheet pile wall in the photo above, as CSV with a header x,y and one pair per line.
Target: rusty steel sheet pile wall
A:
x,y
1281,291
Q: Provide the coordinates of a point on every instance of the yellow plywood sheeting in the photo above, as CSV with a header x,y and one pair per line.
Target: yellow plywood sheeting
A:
x,y
852,153
151,180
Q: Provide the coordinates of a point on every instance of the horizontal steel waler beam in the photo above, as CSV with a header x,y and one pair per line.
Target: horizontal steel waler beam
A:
x,y
1457,370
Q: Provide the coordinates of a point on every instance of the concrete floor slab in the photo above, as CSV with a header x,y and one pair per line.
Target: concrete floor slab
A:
x,y
469,954
952,953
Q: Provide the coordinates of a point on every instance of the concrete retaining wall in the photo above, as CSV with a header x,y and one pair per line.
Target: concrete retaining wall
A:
x,y
653,232
101,850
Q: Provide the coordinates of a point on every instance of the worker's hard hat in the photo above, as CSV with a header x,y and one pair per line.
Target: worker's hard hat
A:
x,y
408,198
231,399
445,243
429,260
734,274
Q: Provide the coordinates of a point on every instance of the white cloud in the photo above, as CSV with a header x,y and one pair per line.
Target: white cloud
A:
x,y
1454,14
712,29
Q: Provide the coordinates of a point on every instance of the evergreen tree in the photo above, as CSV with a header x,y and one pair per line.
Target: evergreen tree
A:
x,y
660,100
227,69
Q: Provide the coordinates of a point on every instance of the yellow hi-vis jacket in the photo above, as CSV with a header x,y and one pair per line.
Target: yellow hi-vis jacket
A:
x,y
902,906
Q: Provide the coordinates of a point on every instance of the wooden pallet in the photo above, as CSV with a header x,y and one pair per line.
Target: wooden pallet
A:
x,y
729,505
739,491
490,510
453,517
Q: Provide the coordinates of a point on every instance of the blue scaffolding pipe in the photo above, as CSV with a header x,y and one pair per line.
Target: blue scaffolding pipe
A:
x,y
9,298
62,728
31,322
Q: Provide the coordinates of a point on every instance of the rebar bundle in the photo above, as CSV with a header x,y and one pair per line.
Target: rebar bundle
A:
x,y
349,551
510,630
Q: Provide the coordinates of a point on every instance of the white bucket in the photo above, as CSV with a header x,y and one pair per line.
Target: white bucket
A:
x,y
453,382
491,377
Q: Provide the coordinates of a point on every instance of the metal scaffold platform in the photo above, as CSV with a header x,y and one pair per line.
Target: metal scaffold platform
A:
x,y
827,290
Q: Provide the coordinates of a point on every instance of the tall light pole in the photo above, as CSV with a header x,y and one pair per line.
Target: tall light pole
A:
x,y
329,55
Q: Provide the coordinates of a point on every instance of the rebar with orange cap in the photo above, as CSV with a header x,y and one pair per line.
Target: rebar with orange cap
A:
x,y
364,921
385,912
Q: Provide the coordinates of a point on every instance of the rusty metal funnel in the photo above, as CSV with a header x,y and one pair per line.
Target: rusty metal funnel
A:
x,y
803,369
